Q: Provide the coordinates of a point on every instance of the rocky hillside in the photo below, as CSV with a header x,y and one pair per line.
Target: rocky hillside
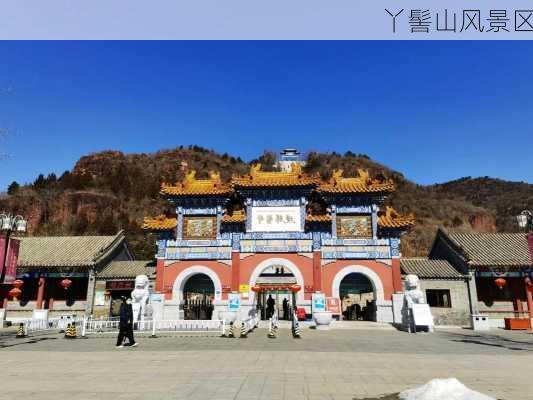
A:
x,y
110,190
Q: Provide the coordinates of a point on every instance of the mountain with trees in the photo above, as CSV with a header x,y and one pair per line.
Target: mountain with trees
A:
x,y
110,190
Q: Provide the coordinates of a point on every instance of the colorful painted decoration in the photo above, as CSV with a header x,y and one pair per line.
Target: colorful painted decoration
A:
x,y
295,288
354,226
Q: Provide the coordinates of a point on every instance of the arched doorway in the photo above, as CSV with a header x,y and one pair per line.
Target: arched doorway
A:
x,y
358,298
275,296
360,285
198,296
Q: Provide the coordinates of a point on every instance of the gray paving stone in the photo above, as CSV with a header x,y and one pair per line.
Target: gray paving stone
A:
x,y
335,365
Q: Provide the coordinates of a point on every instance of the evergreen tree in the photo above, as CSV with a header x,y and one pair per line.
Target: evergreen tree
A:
x,y
13,188
40,182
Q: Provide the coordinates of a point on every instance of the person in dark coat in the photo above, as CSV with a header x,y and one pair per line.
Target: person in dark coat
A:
x,y
270,306
126,324
285,308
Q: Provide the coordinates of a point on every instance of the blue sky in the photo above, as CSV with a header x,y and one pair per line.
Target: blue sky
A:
x,y
434,111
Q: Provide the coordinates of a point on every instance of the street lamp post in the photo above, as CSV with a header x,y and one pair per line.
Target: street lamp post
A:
x,y
8,225
525,222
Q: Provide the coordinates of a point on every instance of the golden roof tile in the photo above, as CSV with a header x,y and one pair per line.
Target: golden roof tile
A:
x,y
393,220
236,217
359,184
159,223
318,218
258,178
190,186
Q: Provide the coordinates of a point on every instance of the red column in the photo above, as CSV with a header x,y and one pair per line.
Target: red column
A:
x,y
160,275
235,270
40,292
529,294
529,284
396,275
317,271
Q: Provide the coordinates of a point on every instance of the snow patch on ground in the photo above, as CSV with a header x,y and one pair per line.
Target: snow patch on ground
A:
x,y
443,389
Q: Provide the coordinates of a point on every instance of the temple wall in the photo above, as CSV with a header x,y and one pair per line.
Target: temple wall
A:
x,y
222,271
331,270
304,264
459,312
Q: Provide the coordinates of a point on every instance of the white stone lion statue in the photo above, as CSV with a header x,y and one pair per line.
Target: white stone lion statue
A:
x,y
416,309
140,298
413,293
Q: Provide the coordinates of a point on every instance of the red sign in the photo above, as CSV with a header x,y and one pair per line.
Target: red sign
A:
x,y
2,253
333,304
120,285
12,258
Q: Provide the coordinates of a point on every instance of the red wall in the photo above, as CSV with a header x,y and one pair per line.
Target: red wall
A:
x,y
173,270
304,264
167,275
382,270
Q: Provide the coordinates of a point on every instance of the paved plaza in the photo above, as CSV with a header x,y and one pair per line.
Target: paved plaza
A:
x,y
338,364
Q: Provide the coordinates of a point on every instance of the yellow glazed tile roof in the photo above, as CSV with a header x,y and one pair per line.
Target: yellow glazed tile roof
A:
x,y
359,184
258,178
159,223
318,218
391,219
235,217
190,186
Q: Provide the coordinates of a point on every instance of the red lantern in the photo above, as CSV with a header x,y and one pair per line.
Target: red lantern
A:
x,y
295,288
500,282
65,283
256,288
18,283
15,293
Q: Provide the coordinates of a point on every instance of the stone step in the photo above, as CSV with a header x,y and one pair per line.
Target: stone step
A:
x,y
355,325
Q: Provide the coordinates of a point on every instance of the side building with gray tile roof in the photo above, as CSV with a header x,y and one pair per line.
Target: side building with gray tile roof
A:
x,y
445,289
484,257
44,262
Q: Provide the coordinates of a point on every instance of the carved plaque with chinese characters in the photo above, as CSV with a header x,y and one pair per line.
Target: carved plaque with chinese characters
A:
x,y
276,219
354,226
199,228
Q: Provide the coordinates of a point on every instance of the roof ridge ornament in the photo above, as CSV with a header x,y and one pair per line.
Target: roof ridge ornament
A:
x,y
363,177
361,183
390,218
191,186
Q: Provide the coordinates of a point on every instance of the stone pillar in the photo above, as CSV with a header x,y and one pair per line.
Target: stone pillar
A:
x,y
40,293
160,275
472,292
396,276
90,293
317,271
235,270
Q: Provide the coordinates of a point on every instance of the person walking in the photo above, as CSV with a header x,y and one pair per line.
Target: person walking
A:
x,y
126,324
285,309
270,306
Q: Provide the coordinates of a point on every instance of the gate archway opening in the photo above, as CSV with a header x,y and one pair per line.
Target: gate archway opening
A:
x,y
358,297
198,296
276,296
